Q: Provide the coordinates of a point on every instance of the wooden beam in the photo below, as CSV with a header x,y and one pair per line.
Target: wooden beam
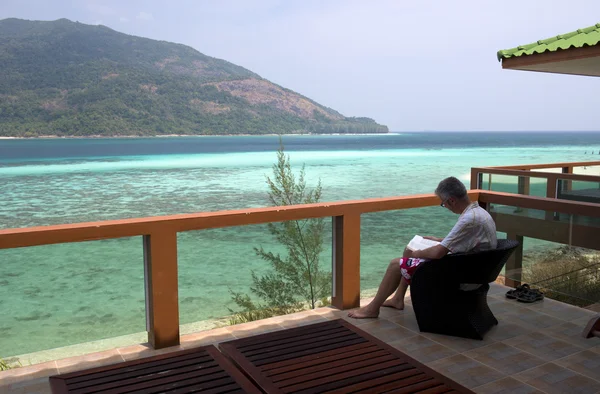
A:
x,y
346,261
553,231
541,203
162,301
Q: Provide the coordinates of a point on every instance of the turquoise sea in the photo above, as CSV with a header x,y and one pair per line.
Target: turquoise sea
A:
x,y
59,295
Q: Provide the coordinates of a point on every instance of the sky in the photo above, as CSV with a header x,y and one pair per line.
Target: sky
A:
x,y
411,65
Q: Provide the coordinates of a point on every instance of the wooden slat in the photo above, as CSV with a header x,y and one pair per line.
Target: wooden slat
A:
x,y
201,369
370,366
324,357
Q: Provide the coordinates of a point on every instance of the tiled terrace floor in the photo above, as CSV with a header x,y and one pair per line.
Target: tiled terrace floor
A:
x,y
537,348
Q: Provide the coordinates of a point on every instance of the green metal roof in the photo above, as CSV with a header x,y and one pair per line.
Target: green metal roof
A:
x,y
582,37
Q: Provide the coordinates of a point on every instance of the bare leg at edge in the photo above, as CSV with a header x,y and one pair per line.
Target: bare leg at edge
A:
x,y
391,281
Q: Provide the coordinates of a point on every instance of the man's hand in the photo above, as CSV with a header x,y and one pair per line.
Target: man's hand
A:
x,y
434,238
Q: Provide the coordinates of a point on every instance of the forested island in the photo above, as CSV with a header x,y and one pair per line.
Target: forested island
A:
x,y
65,78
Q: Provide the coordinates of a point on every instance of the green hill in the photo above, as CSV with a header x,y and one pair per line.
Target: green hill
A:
x,y
70,79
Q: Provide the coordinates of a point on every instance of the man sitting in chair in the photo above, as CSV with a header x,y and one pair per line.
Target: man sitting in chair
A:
x,y
474,231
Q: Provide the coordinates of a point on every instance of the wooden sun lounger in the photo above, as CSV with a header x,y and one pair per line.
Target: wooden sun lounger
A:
x,y
333,357
202,369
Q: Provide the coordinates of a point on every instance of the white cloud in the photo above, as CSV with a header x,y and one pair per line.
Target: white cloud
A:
x,y
145,16
97,23
123,19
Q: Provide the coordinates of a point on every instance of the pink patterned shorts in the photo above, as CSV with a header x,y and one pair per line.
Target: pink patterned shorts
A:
x,y
408,266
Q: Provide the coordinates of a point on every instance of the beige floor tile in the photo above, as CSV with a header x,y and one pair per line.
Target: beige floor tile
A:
x,y
554,379
501,304
30,372
386,330
507,386
505,358
406,319
505,330
302,320
560,310
586,363
466,371
457,344
422,349
496,288
253,328
37,386
144,350
529,318
543,346
206,337
571,332
89,361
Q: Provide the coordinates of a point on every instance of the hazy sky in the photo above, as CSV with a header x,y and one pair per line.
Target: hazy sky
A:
x,y
412,65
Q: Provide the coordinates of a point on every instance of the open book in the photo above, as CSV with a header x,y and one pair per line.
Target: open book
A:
x,y
420,243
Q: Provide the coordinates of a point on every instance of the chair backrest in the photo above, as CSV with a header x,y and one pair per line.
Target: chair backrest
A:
x,y
477,267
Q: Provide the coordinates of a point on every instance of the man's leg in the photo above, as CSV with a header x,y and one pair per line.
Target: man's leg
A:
x,y
397,301
390,282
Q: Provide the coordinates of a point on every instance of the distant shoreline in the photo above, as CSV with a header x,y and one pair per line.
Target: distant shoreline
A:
x,y
45,137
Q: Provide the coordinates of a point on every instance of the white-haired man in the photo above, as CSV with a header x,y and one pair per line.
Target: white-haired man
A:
x,y
475,230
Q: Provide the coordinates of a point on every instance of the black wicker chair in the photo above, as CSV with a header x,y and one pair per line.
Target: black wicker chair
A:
x,y
439,303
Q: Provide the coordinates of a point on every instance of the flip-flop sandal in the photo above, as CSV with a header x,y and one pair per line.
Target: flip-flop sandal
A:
x,y
513,294
530,296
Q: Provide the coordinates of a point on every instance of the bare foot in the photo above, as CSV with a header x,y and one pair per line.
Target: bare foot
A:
x,y
393,303
364,313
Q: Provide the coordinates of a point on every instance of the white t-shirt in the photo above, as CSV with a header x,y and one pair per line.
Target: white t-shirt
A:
x,y
475,231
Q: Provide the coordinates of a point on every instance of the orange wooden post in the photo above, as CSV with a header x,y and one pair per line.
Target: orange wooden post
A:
x,y
476,178
514,265
346,261
162,303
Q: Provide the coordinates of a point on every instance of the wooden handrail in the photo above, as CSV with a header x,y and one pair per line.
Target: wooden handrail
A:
x,y
91,231
536,174
549,165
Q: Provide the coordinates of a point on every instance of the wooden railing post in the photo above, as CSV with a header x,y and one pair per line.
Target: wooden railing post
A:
x,y
162,303
567,185
346,261
476,178
524,185
514,265
551,192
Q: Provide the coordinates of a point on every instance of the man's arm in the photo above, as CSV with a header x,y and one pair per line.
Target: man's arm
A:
x,y
433,253
434,238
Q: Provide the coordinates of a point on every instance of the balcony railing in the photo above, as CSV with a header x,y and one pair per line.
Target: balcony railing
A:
x,y
160,242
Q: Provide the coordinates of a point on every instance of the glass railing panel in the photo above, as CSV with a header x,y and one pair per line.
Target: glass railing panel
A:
x,y
579,191
561,255
384,235
565,273
530,186
71,298
214,263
